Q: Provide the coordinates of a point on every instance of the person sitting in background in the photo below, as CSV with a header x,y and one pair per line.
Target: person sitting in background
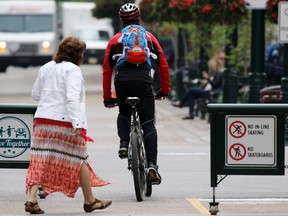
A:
x,y
211,81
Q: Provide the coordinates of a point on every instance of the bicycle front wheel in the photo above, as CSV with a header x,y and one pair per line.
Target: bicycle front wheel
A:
x,y
137,168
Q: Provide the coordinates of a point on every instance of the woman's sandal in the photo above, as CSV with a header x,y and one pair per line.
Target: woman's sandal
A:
x,y
91,207
33,208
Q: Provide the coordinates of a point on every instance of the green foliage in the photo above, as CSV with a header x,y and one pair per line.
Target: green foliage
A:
x,y
207,24
150,10
272,10
240,57
211,38
58,1
110,9
198,11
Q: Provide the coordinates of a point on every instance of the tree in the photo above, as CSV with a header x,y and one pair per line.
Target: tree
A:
x,y
58,1
110,9
207,18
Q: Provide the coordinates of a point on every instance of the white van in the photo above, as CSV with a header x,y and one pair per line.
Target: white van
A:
x,y
96,39
77,20
28,32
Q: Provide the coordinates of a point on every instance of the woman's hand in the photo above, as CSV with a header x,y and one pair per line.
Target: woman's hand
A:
x,y
203,82
205,74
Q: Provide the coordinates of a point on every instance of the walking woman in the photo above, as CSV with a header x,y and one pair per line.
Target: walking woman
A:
x,y
58,156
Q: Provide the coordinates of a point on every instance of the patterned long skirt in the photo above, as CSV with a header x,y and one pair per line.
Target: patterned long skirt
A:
x,y
56,156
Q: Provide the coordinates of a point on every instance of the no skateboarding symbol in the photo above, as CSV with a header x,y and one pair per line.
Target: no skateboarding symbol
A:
x,y
237,129
237,151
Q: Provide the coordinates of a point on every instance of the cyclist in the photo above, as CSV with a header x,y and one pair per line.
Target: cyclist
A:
x,y
134,80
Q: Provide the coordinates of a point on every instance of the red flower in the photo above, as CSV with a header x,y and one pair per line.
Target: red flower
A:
x,y
274,15
220,11
272,10
173,3
187,3
206,9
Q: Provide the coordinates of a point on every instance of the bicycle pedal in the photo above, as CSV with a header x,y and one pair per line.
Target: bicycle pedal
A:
x,y
122,156
155,182
122,153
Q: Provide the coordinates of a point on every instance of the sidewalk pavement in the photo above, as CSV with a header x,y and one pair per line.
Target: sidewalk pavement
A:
x,y
171,128
177,138
173,133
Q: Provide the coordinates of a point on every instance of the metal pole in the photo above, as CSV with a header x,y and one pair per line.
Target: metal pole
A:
x,y
181,48
284,81
230,92
205,34
257,75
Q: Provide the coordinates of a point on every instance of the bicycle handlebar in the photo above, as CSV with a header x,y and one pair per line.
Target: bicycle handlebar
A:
x,y
113,102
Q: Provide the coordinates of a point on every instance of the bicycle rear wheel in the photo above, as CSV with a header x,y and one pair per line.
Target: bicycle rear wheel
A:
x,y
137,168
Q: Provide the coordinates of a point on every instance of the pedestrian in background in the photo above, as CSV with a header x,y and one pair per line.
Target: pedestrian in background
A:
x,y
211,81
58,154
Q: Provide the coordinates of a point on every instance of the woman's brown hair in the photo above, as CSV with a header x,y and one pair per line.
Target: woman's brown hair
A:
x,y
71,50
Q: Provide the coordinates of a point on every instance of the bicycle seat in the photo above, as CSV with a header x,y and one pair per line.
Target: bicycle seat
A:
x,y
132,100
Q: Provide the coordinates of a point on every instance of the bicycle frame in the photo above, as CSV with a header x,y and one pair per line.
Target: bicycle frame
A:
x,y
135,127
137,161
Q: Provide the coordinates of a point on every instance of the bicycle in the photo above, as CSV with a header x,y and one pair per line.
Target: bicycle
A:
x,y
137,161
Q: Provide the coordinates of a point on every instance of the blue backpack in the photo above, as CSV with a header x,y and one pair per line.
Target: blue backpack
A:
x,y
135,46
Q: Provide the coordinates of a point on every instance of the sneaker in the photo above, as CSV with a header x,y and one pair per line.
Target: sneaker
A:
x,y
123,150
188,117
177,104
153,174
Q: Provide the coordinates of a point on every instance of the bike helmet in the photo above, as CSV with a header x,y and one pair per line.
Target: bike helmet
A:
x,y
129,12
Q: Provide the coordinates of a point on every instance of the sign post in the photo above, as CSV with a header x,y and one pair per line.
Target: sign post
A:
x,y
246,139
283,22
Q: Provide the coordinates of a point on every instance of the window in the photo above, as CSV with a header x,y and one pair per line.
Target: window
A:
x,y
26,23
92,34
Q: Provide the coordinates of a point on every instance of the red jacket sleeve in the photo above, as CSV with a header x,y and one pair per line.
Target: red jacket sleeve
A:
x,y
163,66
107,67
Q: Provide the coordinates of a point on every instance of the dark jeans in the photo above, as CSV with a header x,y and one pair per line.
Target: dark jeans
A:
x,y
146,110
189,97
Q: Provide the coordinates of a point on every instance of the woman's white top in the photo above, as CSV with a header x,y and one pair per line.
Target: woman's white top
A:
x,y
59,88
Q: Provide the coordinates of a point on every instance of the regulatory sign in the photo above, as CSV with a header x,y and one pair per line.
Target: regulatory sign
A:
x,y
250,140
15,136
237,151
283,22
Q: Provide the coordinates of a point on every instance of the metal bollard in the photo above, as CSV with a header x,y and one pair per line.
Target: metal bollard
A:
x,y
180,90
230,93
